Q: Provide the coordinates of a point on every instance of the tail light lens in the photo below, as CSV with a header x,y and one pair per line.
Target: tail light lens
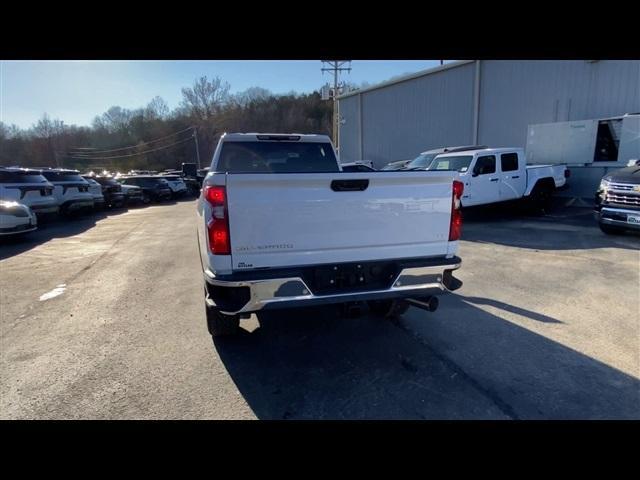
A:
x,y
455,227
218,226
567,173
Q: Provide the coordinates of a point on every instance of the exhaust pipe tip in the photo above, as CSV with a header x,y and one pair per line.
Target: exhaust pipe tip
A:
x,y
430,304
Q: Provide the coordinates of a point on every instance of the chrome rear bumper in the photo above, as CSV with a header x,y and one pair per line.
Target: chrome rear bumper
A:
x,y
294,292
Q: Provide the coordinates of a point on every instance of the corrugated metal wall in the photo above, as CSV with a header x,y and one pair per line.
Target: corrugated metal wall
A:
x,y
435,110
516,94
406,118
350,130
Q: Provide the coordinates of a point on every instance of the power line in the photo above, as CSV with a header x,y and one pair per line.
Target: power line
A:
x,y
335,67
132,146
130,155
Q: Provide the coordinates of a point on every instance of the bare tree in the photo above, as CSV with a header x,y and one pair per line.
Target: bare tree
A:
x,y
157,108
206,105
205,98
251,94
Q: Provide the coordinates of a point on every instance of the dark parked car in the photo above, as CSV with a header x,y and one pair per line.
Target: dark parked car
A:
x,y
618,200
399,165
356,167
132,195
112,191
176,183
154,189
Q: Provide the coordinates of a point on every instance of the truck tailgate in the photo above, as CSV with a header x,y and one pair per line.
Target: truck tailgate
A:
x,y
278,220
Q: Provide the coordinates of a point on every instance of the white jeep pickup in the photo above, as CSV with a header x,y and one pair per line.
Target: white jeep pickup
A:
x,y
280,225
492,175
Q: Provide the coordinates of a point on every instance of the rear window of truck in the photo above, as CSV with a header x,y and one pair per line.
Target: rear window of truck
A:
x,y
277,157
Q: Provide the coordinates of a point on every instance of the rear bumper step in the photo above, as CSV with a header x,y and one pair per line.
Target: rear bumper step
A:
x,y
245,296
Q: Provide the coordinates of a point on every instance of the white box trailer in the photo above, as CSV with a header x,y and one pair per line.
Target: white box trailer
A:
x,y
584,142
590,148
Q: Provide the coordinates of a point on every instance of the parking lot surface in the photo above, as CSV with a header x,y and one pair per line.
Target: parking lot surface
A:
x,y
102,317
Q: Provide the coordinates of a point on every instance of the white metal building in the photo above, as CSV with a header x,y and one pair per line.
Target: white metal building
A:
x,y
490,102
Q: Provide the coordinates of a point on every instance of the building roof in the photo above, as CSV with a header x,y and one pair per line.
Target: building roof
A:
x,y
411,76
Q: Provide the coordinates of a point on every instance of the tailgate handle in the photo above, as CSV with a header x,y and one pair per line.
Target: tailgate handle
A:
x,y
349,185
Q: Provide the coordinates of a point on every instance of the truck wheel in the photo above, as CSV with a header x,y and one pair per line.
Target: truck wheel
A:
x,y
540,197
609,230
221,325
388,308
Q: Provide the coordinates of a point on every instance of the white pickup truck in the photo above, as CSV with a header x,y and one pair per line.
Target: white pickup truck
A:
x,y
280,225
493,175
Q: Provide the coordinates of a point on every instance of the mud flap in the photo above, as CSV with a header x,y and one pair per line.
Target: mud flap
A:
x,y
451,282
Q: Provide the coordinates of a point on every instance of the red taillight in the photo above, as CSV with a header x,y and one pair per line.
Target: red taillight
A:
x,y
218,226
458,189
455,227
219,243
215,195
567,173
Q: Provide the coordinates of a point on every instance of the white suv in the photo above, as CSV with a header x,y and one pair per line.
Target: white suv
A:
x,y
16,219
71,190
29,188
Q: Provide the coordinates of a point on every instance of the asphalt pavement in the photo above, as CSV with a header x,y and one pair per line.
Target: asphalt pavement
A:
x,y
102,317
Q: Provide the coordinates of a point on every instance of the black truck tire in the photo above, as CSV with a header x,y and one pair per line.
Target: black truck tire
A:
x,y
221,325
610,230
540,198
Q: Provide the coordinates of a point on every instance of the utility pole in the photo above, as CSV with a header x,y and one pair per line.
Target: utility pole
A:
x,y
195,137
336,66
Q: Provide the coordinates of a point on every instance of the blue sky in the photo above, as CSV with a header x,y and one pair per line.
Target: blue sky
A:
x,y
77,91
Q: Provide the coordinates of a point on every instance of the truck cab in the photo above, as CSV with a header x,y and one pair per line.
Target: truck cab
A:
x,y
492,175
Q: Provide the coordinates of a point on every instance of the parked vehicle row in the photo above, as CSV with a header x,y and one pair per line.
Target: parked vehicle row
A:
x,y
26,193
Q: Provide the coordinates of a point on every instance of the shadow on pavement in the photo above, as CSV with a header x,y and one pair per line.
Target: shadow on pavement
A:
x,y
538,317
60,227
313,365
49,229
560,228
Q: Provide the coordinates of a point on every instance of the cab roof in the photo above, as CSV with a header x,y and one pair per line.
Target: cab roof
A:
x,y
487,151
286,137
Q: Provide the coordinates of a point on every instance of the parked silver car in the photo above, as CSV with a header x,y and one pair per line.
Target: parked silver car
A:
x,y
16,218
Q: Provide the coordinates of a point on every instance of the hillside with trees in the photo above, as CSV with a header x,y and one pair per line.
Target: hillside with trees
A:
x,y
156,137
